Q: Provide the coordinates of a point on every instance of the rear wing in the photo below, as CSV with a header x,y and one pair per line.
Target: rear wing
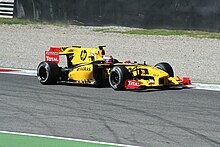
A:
x,y
76,53
54,52
53,55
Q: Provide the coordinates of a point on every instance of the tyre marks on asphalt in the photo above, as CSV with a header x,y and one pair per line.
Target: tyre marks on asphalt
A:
x,y
210,141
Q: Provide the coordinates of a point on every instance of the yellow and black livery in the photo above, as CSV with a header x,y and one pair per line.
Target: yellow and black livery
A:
x,y
87,66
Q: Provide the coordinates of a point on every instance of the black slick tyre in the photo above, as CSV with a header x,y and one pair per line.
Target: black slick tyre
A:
x,y
117,77
48,72
165,67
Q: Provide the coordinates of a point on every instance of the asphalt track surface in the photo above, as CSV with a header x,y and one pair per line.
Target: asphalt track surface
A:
x,y
178,117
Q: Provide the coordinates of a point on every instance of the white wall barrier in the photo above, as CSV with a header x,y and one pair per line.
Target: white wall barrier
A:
x,y
6,8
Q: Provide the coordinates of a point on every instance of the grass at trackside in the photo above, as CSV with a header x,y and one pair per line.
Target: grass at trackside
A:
x,y
11,21
19,21
164,32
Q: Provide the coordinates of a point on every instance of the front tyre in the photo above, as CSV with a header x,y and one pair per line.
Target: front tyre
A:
x,y
48,72
166,67
117,77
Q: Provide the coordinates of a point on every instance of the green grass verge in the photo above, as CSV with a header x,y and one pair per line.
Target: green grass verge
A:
x,y
12,140
164,32
19,21
11,21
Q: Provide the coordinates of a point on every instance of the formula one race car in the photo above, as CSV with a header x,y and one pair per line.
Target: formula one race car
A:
x,y
92,66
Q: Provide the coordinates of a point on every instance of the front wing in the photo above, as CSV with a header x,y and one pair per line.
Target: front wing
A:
x,y
171,81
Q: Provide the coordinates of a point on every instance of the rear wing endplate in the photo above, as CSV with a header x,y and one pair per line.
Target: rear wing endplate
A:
x,y
52,55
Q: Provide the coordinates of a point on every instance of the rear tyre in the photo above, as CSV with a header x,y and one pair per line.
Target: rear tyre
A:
x,y
117,77
165,67
48,72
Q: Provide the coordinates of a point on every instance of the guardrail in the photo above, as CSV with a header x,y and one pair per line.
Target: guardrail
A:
x,y
6,8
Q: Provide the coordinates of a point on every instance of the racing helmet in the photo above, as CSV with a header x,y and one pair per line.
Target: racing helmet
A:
x,y
108,59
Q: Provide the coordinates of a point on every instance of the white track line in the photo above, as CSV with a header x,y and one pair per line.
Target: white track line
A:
x,y
213,87
19,71
27,72
63,138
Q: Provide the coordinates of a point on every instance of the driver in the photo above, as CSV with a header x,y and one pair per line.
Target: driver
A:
x,y
108,59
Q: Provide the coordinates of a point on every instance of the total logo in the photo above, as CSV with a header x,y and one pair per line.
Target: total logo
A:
x,y
52,56
51,59
132,84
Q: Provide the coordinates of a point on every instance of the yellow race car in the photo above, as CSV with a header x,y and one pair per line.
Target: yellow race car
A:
x,y
92,66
